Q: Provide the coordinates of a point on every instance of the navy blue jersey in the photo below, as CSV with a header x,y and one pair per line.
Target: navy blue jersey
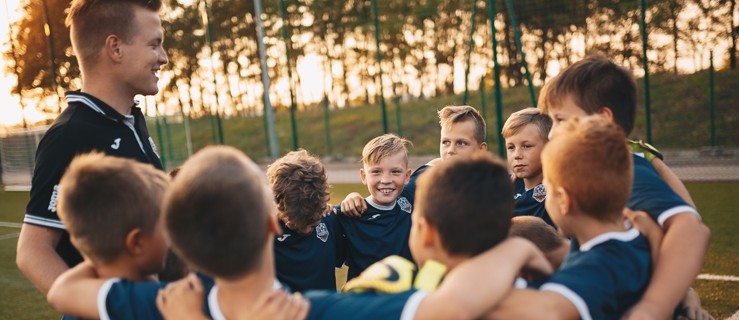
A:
x,y
651,194
308,261
530,202
381,231
605,276
87,124
332,305
410,189
125,299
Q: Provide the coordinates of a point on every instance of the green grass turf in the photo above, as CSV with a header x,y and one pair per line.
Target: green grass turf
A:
x,y
20,300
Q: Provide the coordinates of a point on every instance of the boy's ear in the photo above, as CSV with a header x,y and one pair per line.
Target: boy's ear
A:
x,y
428,232
113,48
606,112
407,176
272,225
363,175
484,146
134,241
565,201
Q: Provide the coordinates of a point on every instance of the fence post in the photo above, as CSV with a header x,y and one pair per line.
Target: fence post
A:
x,y
379,65
469,54
711,100
646,71
283,13
213,66
496,77
268,112
482,103
517,36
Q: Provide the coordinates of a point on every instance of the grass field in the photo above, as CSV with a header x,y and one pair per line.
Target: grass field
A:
x,y
20,300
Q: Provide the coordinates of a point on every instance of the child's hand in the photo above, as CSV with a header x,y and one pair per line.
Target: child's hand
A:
x,y
281,306
182,299
353,205
650,229
692,309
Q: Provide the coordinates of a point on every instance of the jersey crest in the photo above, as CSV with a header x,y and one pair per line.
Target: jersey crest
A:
x,y
405,205
322,232
540,193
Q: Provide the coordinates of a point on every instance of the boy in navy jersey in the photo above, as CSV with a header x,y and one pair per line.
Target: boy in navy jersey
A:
x,y
588,166
118,46
462,134
232,241
525,134
382,230
596,85
110,207
311,246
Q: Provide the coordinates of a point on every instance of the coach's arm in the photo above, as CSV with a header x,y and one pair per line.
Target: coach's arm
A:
x,y
36,255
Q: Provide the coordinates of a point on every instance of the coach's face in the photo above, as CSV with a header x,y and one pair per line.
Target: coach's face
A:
x,y
143,53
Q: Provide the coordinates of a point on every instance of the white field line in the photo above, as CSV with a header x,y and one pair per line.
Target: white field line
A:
x,y
9,236
10,224
708,276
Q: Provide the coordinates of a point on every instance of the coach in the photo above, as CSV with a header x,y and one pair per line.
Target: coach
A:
x,y
118,45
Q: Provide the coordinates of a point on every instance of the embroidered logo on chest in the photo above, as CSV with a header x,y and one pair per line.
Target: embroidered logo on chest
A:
x,y
405,205
540,193
322,232
283,237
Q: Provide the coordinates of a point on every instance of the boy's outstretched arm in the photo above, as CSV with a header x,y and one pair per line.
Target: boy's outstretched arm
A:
x,y
534,304
75,291
467,294
680,260
672,180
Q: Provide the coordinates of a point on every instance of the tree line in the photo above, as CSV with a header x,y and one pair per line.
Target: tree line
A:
x,y
214,55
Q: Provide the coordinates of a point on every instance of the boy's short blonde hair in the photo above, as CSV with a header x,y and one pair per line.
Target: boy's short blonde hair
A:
x,y
382,147
534,229
450,115
589,158
102,198
300,189
519,119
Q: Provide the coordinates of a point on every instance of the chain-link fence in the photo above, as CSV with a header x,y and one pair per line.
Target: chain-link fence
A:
x,y
342,72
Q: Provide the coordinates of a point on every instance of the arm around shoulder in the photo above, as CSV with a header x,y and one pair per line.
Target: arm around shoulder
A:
x,y
466,295
37,257
672,180
75,292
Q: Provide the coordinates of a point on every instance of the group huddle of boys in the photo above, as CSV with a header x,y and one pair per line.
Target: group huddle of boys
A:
x,y
432,244
252,240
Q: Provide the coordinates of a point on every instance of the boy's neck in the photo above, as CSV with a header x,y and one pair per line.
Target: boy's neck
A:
x,y
120,268
586,227
241,296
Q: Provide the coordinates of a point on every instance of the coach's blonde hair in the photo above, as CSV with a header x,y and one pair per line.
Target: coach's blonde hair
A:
x,y
102,198
382,147
450,115
588,157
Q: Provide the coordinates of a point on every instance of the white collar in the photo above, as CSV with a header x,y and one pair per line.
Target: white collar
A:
x,y
380,207
215,309
623,236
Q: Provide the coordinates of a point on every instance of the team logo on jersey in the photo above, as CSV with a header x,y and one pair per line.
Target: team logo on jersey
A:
x,y
405,205
374,216
54,197
540,193
322,232
154,147
283,237
116,144
516,196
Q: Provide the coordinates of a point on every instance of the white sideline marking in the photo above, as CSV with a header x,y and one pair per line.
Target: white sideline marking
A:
x,y
9,236
708,276
10,224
